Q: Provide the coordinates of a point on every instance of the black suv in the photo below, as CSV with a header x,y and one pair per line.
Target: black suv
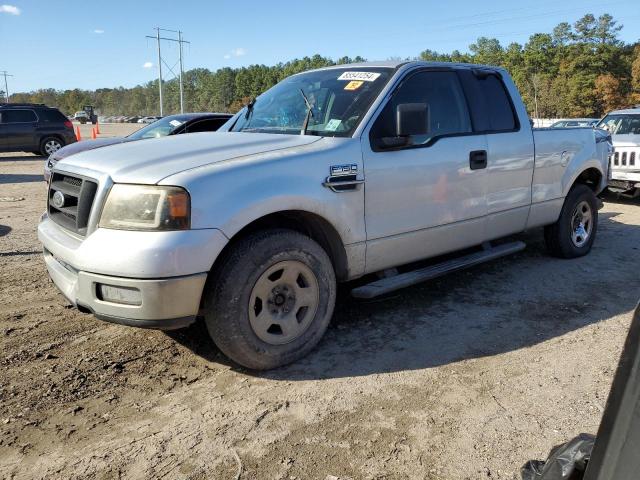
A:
x,y
31,127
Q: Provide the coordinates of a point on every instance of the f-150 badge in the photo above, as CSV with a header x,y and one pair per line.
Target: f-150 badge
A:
x,y
337,170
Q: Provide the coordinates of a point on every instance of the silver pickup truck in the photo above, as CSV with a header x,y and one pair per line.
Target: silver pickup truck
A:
x,y
331,175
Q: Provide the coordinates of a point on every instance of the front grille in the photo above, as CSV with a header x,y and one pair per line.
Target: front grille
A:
x,y
77,196
626,158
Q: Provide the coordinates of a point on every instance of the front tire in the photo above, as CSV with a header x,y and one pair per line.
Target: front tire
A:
x,y
270,300
575,231
50,145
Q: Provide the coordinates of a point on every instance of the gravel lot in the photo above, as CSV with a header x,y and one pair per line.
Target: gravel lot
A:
x,y
466,377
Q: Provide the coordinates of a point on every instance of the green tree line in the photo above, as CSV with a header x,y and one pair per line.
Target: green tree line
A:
x,y
578,70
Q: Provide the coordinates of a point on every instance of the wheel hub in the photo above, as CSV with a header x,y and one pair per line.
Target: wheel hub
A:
x,y
581,224
282,299
283,302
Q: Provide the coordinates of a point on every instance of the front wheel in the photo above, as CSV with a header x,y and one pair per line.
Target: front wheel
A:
x,y
575,231
50,145
271,299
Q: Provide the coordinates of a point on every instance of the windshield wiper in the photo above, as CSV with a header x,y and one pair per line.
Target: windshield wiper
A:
x,y
249,111
247,114
308,115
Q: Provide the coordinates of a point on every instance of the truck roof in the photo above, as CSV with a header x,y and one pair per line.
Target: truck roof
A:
x,y
400,63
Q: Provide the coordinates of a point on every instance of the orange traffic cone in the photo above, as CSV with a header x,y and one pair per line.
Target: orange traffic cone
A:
x,y
78,136
97,128
93,134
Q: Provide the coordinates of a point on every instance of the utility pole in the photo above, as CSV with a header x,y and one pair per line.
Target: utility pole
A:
x,y
6,88
179,41
159,69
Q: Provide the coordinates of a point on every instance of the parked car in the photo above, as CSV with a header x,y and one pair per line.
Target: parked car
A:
x,y
575,122
624,127
81,116
252,226
148,119
36,128
171,125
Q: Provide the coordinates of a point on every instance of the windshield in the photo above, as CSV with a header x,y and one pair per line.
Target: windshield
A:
x,y
159,128
621,124
338,98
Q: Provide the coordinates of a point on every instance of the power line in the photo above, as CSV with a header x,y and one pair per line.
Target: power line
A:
x,y
179,41
454,24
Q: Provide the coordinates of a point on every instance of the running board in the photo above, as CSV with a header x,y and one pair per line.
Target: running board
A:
x,y
402,280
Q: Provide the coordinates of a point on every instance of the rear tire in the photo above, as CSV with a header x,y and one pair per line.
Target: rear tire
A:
x,y
575,231
50,145
271,298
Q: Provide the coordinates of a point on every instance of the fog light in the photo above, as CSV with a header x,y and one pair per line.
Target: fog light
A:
x,y
116,294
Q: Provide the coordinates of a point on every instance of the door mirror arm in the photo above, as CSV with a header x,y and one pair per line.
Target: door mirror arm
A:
x,y
392,142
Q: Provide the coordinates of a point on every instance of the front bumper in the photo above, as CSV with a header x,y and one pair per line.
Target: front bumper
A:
x,y
165,270
623,181
165,303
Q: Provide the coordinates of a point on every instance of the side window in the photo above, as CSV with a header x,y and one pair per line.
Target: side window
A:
x,y
209,125
18,116
501,115
51,115
441,92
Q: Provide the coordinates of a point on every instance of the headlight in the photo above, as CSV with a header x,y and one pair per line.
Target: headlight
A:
x,y
140,207
51,161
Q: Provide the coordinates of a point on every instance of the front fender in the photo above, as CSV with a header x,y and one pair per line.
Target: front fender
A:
x,y
577,168
232,194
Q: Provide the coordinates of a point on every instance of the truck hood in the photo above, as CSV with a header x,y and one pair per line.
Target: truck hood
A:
x,y
630,140
150,161
85,145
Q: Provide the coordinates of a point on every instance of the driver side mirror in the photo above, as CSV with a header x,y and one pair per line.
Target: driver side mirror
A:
x,y
410,119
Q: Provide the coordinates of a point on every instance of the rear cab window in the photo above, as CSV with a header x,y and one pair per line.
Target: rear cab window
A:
x,y
491,107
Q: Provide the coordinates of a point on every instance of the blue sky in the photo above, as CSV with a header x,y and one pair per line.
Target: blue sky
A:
x,y
101,43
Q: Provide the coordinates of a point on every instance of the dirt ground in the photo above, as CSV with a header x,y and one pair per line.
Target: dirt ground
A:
x,y
466,377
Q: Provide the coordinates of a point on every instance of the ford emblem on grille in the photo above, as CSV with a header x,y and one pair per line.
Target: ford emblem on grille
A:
x,y
58,199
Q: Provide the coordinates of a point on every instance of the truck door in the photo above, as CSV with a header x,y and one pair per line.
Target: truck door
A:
x,y
427,197
510,152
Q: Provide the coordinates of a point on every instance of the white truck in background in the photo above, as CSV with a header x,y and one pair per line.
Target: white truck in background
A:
x,y
624,128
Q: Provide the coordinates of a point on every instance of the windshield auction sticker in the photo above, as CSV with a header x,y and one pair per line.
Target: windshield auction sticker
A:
x,y
332,125
364,76
354,85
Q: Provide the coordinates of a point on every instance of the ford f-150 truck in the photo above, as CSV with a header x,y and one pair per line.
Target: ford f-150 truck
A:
x,y
331,175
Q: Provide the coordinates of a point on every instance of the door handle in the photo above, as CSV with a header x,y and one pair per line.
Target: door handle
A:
x,y
478,159
337,185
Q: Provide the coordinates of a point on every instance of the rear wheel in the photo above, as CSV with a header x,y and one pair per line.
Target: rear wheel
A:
x,y
575,231
271,299
50,145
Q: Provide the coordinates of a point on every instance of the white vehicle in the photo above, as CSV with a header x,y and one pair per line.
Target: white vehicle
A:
x,y
253,225
148,119
81,116
624,127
